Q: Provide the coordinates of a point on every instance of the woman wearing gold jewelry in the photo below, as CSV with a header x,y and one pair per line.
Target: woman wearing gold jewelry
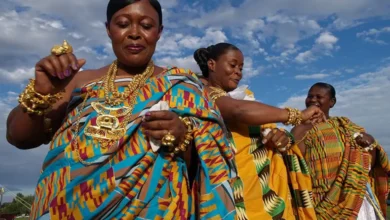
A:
x,y
102,163
273,181
348,167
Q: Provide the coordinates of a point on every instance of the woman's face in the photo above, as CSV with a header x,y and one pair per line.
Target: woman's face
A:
x,y
134,32
321,98
227,69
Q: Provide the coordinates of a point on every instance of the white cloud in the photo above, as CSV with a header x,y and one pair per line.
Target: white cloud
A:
x,y
174,44
305,57
327,39
340,24
17,76
250,69
312,76
36,31
76,35
182,62
364,99
28,36
211,36
372,35
168,3
346,11
19,169
283,31
325,44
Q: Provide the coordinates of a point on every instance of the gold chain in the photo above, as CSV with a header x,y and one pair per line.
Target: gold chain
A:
x,y
116,96
216,93
132,92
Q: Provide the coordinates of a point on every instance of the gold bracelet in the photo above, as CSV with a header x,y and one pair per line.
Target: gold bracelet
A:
x,y
216,93
36,103
183,147
294,117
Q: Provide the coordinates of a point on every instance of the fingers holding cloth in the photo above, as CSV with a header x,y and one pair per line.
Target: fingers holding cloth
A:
x,y
164,127
277,139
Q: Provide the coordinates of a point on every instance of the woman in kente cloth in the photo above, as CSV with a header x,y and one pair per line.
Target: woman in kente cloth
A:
x,y
348,168
111,156
273,182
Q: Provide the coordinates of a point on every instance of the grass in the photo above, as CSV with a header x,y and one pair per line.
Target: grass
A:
x,y
388,212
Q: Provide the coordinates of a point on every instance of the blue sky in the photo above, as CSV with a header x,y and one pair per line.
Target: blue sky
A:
x,y
288,46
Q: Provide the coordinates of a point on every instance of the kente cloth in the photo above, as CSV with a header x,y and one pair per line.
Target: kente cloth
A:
x,y
269,185
128,180
340,170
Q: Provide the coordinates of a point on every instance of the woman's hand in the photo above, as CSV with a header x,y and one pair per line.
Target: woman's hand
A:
x,y
156,124
313,114
276,138
364,140
52,72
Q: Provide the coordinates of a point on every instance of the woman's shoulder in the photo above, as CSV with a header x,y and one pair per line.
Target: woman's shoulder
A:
x,y
347,123
178,71
187,74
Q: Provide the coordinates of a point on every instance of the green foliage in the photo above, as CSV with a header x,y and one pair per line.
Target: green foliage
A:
x,y
15,207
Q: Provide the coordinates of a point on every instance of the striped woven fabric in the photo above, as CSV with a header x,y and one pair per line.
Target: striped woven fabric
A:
x,y
128,180
340,170
269,186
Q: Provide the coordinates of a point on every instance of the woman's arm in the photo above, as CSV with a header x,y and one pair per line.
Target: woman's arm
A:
x,y
30,130
26,131
299,133
256,113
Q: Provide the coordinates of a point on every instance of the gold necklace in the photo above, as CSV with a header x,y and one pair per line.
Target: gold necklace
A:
x,y
110,89
216,93
108,128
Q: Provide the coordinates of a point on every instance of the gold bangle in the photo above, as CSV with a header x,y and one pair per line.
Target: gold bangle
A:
x,y
35,103
183,147
58,50
294,117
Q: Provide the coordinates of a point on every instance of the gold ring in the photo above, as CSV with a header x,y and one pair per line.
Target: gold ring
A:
x,y
59,50
168,140
283,149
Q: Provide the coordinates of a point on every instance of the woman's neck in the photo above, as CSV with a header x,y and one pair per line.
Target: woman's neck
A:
x,y
124,70
327,115
213,82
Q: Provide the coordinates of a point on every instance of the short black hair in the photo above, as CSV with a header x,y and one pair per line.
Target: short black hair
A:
x,y
116,5
329,87
203,55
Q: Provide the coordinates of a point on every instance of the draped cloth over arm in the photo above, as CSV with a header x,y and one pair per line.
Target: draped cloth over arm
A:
x,y
269,185
340,170
128,180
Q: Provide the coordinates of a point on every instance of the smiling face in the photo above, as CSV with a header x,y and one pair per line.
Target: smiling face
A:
x,y
320,97
134,32
227,69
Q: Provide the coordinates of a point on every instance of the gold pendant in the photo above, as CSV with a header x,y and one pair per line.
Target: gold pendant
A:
x,y
107,129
